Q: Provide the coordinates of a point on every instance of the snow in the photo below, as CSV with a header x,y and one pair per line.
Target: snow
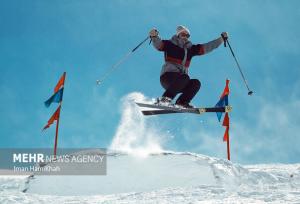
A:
x,y
139,170
169,177
127,173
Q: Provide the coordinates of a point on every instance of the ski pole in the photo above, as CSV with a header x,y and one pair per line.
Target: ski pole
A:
x,y
238,65
112,68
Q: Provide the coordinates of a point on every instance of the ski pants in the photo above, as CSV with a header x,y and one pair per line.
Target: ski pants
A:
x,y
175,83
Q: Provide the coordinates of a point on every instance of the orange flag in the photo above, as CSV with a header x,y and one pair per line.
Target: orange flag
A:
x,y
54,117
226,124
226,89
60,83
226,134
226,120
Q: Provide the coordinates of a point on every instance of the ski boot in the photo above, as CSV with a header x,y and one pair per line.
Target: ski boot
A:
x,y
165,101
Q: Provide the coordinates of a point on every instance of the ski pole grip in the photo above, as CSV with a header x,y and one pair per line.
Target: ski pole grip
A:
x,y
224,39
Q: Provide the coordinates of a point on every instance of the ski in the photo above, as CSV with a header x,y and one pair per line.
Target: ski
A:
x,y
158,112
175,109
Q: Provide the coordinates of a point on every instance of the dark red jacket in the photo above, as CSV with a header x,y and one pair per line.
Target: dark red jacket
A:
x,y
178,54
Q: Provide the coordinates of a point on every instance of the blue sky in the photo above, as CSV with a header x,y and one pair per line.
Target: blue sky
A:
x,y
39,40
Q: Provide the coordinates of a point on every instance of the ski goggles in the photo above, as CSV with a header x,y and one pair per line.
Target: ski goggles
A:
x,y
184,35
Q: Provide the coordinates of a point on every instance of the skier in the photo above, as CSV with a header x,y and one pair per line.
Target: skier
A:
x,y
178,52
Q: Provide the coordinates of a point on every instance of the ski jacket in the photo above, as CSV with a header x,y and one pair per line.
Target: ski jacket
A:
x,y
178,54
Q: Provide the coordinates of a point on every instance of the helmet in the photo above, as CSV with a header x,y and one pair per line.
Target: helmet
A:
x,y
181,29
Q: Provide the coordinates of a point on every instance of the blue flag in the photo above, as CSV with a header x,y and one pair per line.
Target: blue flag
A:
x,y
55,98
222,103
223,99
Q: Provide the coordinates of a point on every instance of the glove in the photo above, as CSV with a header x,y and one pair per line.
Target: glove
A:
x,y
153,33
224,35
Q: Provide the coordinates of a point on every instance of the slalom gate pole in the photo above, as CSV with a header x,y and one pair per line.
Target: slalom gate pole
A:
x,y
56,133
238,65
57,122
112,68
228,148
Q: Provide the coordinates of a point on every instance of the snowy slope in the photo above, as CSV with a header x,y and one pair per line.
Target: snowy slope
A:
x,y
163,178
127,173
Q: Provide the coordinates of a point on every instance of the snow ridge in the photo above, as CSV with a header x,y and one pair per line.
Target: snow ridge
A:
x,y
166,177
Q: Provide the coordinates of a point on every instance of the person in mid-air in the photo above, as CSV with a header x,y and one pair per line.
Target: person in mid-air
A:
x,y
178,52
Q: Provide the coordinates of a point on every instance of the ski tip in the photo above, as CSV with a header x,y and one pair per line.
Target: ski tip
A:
x,y
146,113
228,109
201,110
